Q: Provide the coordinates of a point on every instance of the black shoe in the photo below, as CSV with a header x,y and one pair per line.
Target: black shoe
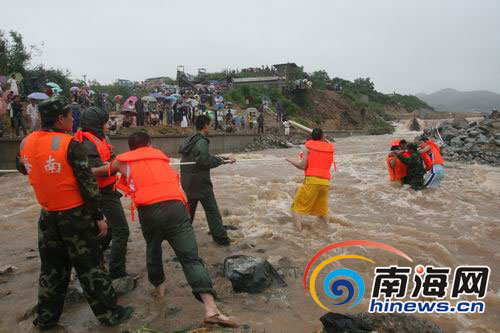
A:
x,y
120,316
226,242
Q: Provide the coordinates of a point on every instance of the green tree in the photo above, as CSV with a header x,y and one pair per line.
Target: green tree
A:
x,y
364,85
4,53
320,79
18,55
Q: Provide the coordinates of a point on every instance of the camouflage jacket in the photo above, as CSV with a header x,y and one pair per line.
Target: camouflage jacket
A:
x,y
77,158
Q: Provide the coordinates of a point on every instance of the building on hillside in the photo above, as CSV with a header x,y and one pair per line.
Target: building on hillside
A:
x,y
265,81
283,69
123,82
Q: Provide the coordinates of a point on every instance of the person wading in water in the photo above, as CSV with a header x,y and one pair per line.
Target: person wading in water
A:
x,y
312,196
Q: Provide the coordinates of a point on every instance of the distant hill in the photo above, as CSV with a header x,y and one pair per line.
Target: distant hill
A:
x,y
451,100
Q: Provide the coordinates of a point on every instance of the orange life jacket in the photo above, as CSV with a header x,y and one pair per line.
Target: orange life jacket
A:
x,y
151,179
104,150
44,155
399,171
319,159
433,156
395,143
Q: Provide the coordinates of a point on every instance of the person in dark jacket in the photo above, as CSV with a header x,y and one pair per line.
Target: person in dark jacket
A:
x,y
94,121
195,179
139,108
75,109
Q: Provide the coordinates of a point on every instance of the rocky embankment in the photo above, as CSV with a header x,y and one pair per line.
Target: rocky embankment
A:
x,y
270,141
474,142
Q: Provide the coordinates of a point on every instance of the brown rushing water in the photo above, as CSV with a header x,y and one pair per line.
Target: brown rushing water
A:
x,y
455,224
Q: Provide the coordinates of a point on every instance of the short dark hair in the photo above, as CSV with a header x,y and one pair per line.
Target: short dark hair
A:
x,y
48,122
201,122
317,134
403,142
138,140
424,138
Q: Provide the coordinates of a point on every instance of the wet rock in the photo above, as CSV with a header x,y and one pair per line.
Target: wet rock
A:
x,y
379,322
449,133
124,285
271,141
251,274
477,143
336,322
74,295
398,322
482,139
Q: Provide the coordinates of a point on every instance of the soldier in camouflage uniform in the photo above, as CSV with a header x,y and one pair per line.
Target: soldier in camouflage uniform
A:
x,y
415,167
93,121
68,238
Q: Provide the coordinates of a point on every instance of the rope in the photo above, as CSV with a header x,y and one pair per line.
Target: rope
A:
x,y
247,160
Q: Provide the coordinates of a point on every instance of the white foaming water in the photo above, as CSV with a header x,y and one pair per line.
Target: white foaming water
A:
x,y
455,224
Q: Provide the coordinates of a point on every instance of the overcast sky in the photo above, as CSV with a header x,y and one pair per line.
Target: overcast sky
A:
x,y
402,45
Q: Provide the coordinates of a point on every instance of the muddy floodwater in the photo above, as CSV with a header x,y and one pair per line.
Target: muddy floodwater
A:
x,y
457,224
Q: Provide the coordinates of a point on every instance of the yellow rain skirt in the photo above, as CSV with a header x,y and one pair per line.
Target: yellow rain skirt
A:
x,y
312,197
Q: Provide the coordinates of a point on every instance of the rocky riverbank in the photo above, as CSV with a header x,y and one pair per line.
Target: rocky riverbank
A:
x,y
477,142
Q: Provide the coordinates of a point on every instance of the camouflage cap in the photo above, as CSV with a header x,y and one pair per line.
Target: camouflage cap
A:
x,y
53,106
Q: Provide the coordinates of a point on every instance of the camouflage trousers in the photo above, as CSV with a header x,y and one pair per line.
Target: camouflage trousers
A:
x,y
118,232
65,240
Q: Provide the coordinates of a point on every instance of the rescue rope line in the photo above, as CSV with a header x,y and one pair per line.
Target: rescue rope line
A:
x,y
247,160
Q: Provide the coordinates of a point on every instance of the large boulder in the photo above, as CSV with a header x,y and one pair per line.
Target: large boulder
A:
x,y
482,139
379,322
449,133
251,274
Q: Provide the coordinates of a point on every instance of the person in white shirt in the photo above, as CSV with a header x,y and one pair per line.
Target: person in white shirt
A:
x,y
32,111
13,84
286,125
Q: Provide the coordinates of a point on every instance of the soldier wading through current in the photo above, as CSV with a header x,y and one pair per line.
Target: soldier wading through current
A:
x,y
70,221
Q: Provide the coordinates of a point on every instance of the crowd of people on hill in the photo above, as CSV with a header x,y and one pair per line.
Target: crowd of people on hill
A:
x,y
156,109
